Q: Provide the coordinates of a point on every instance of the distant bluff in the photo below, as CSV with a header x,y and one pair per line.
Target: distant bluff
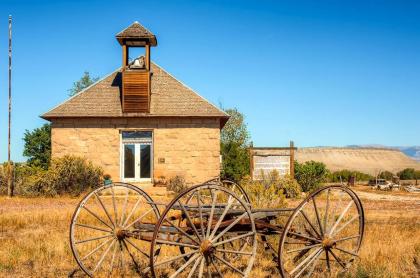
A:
x,y
366,160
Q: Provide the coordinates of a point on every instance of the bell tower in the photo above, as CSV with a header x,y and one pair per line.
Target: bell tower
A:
x,y
136,75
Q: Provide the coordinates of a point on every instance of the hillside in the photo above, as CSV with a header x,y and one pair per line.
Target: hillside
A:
x,y
367,160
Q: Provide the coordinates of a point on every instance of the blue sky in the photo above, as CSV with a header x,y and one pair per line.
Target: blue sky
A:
x,y
317,72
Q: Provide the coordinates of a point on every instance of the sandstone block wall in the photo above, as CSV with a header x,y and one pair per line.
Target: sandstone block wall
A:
x,y
189,147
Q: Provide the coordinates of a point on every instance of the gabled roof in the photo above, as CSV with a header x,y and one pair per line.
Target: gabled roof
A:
x,y
136,32
169,97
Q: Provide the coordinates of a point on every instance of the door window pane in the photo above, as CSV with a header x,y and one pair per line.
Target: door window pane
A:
x,y
129,161
144,161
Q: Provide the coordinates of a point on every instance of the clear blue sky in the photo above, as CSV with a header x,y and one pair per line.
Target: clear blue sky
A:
x,y
316,72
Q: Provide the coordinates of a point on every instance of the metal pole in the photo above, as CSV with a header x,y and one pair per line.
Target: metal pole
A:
x,y
9,162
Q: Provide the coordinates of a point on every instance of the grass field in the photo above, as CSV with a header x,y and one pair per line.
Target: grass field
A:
x,y
34,237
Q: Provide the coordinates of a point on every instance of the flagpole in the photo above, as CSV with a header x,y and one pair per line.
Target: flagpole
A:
x,y
9,161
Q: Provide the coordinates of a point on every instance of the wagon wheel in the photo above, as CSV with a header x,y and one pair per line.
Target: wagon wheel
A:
x,y
323,234
105,236
199,226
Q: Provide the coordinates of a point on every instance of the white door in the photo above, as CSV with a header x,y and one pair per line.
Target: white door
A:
x,y
136,157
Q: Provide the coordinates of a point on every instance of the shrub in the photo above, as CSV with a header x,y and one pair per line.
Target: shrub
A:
x,y
271,191
407,174
69,174
310,174
344,175
177,184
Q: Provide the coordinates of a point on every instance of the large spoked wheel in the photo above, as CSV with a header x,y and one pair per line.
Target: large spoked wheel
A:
x,y
109,231
323,234
211,228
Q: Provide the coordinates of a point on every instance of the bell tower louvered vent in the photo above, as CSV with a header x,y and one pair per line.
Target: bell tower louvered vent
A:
x,y
136,75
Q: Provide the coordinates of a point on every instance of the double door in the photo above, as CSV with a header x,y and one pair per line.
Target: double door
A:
x,y
137,161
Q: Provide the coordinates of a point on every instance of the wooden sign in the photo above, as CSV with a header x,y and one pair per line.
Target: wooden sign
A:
x,y
265,160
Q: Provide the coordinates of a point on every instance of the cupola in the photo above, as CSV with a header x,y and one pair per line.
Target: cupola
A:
x,y
136,75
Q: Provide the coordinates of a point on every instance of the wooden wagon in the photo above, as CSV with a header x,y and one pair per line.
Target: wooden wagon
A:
x,y
212,230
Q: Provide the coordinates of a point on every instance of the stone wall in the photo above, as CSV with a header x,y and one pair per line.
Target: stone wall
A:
x,y
189,147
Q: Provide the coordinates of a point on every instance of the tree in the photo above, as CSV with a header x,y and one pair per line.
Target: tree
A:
x,y
85,81
310,174
235,141
387,175
38,146
407,174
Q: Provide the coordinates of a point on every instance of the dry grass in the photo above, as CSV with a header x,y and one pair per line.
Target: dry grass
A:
x,y
34,239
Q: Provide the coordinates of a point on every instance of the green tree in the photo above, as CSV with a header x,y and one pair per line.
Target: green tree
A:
x,y
85,81
310,174
387,175
407,174
235,141
38,146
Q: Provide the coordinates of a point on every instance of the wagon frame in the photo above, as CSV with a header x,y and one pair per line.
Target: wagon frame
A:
x,y
211,229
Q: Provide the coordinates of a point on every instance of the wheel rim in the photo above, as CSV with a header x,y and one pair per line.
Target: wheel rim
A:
x,y
324,233
105,236
203,233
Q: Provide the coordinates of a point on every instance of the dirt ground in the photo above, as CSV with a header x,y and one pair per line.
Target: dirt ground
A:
x,y
34,237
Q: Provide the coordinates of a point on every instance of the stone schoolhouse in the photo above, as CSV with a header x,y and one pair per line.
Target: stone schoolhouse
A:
x,y
139,123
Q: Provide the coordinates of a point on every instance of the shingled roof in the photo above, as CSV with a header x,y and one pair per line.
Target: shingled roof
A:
x,y
169,97
136,31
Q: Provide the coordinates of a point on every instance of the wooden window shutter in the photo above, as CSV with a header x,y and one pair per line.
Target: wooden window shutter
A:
x,y
136,91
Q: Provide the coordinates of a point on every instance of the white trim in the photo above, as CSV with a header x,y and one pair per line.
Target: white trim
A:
x,y
137,145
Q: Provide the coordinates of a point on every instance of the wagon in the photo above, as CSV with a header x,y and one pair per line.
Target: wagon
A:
x,y
212,230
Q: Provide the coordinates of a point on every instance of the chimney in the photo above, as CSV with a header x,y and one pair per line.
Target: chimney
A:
x,y
136,75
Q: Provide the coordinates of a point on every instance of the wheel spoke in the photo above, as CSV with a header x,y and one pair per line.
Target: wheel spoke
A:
x,y
103,207
233,239
201,270
326,211
138,219
347,252
91,239
317,216
96,249
341,217
314,263
97,217
234,252
112,260
132,257
200,213
345,224
309,263
137,248
194,267
229,227
229,265
327,257
309,222
114,205
187,215
347,238
93,228
103,256
161,241
131,212
217,268
124,208
308,258
337,259
216,227
303,248
184,266
306,237
181,231
213,203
